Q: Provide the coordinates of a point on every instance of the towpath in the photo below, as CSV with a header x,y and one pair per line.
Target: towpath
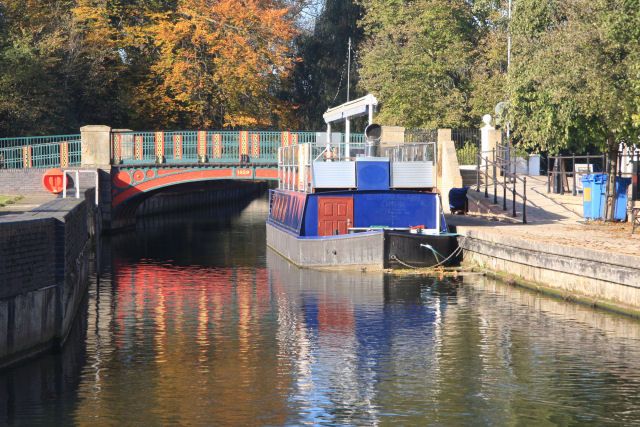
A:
x,y
26,204
554,219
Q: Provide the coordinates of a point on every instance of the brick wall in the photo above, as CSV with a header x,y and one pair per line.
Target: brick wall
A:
x,y
22,181
27,259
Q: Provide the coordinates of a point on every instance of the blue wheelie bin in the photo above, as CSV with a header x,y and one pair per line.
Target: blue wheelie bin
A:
x,y
620,201
598,195
587,188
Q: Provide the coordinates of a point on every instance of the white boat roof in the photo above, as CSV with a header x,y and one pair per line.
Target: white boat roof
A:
x,y
348,110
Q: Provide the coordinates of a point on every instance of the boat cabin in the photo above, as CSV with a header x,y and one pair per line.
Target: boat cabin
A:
x,y
337,188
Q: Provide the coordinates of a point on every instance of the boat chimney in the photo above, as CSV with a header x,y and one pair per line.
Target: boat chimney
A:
x,y
373,133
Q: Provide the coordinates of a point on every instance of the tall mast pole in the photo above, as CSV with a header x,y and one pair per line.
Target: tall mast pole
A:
x,y
348,68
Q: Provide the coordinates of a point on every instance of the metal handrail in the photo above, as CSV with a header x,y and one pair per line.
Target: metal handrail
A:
x,y
60,153
513,178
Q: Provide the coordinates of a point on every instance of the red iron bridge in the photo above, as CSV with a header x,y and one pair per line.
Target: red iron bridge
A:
x,y
143,162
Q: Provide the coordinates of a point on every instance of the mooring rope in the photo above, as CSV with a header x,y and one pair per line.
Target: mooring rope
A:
x,y
454,253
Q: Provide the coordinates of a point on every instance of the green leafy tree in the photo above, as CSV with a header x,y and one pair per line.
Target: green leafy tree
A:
x,y
418,60
319,78
575,73
489,70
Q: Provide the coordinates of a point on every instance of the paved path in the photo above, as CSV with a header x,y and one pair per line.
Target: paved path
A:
x,y
557,219
26,203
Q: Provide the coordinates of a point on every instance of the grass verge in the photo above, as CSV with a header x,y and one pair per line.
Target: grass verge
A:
x,y
8,200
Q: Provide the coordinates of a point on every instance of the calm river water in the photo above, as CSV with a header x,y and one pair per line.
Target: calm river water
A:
x,y
194,322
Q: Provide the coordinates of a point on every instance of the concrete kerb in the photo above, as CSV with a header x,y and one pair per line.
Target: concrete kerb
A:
x,y
590,255
580,274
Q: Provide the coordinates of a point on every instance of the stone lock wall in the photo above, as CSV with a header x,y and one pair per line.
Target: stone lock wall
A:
x,y
44,271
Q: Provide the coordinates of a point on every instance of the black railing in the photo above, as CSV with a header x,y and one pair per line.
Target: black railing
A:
x,y
466,136
467,144
558,171
494,166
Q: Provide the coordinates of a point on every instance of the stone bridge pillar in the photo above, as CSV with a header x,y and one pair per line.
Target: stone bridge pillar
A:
x,y
96,154
96,146
392,136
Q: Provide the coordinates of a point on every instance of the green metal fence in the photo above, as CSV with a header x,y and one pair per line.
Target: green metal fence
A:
x,y
170,147
211,146
40,152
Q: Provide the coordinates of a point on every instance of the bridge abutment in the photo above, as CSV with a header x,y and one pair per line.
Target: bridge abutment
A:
x,y
96,155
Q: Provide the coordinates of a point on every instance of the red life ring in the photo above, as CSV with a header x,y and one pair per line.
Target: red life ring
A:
x,y
52,180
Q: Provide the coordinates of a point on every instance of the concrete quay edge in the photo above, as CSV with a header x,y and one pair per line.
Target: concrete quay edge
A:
x,y
567,272
618,259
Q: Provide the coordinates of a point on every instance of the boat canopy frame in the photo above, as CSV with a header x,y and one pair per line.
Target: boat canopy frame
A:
x,y
364,106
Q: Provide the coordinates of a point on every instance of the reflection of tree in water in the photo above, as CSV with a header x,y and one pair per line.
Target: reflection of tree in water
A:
x,y
197,331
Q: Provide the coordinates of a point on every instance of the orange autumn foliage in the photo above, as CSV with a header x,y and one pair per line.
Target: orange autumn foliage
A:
x,y
215,63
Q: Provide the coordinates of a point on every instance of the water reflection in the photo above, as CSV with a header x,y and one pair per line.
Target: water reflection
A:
x,y
197,324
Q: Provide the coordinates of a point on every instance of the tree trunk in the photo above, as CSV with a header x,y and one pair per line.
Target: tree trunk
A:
x,y
612,148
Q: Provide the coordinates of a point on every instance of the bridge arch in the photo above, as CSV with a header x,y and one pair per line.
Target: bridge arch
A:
x,y
129,182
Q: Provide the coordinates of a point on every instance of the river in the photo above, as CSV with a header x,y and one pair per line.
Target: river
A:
x,y
194,322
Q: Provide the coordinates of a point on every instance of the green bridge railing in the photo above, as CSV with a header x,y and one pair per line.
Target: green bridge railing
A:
x,y
40,152
164,147
212,146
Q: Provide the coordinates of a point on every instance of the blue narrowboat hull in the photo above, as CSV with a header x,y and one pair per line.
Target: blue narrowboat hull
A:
x,y
296,226
374,250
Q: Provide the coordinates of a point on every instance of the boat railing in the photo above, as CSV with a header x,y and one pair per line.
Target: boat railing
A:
x,y
414,152
294,167
335,151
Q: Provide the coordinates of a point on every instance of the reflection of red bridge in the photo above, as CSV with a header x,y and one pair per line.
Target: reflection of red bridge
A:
x,y
231,295
214,335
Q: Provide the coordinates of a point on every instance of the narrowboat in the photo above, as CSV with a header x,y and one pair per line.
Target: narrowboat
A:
x,y
343,206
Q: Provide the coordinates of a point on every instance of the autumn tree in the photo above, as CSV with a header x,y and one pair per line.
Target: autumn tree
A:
x,y
59,67
33,39
214,64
